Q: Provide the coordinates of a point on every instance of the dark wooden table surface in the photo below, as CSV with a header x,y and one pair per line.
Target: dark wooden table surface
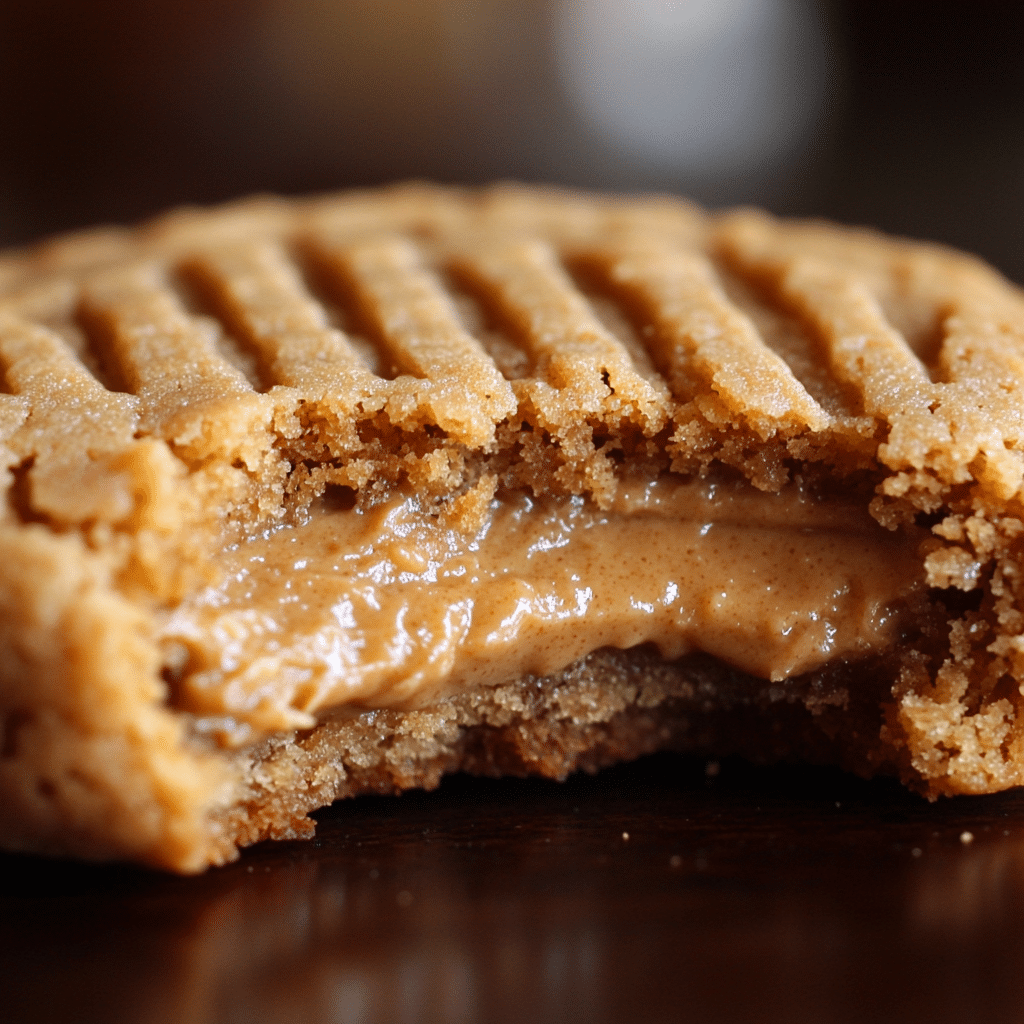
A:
x,y
656,891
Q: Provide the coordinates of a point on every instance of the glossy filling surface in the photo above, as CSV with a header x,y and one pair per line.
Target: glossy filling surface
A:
x,y
391,608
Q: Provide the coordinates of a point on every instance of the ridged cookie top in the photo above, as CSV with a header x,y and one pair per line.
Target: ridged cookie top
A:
x,y
460,340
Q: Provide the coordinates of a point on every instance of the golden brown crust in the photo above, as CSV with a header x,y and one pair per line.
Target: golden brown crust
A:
x,y
195,381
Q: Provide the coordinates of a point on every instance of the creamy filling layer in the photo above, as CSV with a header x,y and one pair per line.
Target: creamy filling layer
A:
x,y
389,608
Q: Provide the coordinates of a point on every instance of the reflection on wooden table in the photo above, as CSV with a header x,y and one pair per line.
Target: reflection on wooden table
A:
x,y
753,894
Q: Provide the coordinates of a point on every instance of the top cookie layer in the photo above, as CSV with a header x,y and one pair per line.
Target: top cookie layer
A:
x,y
531,337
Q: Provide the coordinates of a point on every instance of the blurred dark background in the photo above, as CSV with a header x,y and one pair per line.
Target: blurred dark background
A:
x,y
907,116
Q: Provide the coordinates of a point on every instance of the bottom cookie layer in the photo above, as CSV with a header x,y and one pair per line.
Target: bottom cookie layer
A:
x,y
610,706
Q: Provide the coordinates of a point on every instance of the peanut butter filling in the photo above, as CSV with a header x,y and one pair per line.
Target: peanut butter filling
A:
x,y
390,609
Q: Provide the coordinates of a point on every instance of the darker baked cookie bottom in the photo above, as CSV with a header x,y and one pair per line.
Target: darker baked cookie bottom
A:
x,y
610,706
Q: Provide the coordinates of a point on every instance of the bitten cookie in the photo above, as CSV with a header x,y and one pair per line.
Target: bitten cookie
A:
x,y
308,498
